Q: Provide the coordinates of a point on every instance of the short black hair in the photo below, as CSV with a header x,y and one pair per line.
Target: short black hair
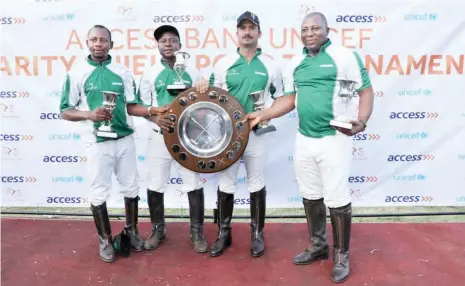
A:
x,y
100,27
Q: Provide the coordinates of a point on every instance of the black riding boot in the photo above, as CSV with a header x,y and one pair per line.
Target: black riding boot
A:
x,y
315,210
156,203
341,220
197,214
102,222
132,211
257,214
225,211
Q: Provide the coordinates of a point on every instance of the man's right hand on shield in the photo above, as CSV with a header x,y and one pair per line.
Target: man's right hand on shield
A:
x,y
163,122
254,118
100,114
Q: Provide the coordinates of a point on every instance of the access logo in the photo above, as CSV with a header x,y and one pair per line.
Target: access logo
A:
x,y
67,200
178,19
365,136
408,199
360,19
10,94
15,137
410,158
362,179
64,159
12,20
413,115
50,116
17,179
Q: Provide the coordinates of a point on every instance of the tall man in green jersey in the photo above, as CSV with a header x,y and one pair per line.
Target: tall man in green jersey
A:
x,y
81,101
242,73
322,152
153,92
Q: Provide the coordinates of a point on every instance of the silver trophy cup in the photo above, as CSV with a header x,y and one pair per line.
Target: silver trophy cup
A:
x,y
179,68
109,103
258,98
346,93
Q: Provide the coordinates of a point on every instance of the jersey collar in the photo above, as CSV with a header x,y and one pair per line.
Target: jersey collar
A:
x,y
322,48
259,52
96,64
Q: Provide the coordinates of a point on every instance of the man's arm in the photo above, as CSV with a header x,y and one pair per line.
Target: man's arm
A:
x,y
365,92
139,103
285,93
70,98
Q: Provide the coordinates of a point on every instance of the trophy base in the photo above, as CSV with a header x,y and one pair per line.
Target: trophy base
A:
x,y
341,124
265,129
176,89
106,134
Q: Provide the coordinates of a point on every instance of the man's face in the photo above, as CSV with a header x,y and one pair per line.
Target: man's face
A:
x,y
98,43
168,44
248,34
313,33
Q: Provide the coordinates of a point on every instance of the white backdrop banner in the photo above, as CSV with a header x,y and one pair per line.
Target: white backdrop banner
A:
x,y
413,152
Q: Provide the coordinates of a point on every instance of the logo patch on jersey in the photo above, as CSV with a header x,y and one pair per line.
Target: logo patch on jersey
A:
x,y
326,66
232,72
160,83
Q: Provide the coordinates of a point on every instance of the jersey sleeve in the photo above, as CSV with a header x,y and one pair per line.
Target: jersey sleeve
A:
x,y
129,87
146,89
364,81
70,95
288,78
277,85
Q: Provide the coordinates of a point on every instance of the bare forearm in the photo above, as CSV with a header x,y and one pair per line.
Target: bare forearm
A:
x,y
281,106
75,115
138,110
365,104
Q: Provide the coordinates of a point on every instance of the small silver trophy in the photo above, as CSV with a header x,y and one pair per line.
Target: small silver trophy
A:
x,y
346,93
258,98
179,68
109,103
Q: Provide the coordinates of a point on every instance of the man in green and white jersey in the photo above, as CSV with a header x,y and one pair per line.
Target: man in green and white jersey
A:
x,y
81,101
312,83
153,92
242,73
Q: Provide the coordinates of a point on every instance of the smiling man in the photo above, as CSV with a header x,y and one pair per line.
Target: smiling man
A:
x,y
241,73
312,83
153,91
108,152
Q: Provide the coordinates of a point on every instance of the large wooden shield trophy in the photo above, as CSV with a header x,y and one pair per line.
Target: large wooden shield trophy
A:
x,y
209,135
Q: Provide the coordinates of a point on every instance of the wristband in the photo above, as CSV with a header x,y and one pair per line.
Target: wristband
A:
x,y
149,110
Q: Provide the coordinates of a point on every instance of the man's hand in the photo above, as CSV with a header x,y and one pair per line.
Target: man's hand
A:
x,y
254,118
357,127
160,110
100,114
164,122
202,85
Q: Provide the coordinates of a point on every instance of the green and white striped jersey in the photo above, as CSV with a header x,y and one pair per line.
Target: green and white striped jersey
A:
x,y
315,82
83,88
155,80
240,78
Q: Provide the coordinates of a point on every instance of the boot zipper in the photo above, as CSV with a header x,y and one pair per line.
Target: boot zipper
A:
x,y
258,219
219,219
340,228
